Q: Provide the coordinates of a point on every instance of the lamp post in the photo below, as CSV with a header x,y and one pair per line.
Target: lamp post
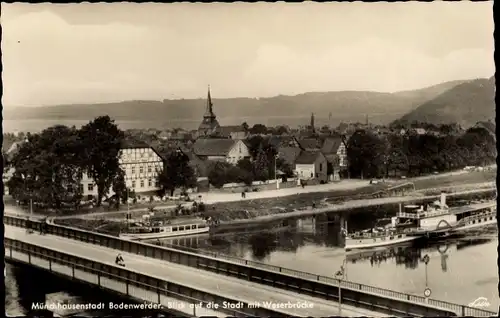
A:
x,y
427,291
340,274
275,174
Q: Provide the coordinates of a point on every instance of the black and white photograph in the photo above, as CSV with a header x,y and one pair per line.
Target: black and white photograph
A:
x,y
249,159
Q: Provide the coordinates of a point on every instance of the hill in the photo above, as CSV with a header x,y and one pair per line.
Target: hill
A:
x,y
348,106
466,104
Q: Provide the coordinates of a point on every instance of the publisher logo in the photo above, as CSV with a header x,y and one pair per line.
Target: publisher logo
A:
x,y
481,302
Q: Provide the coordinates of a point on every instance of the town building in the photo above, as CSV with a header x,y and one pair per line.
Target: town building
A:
x,y
141,164
312,166
334,146
209,123
220,149
231,132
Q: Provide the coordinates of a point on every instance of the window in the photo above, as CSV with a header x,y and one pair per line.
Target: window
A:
x,y
133,170
157,184
320,167
90,187
150,183
142,183
149,169
141,169
80,188
312,175
133,184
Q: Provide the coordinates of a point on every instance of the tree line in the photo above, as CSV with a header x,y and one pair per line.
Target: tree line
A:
x,y
48,169
372,156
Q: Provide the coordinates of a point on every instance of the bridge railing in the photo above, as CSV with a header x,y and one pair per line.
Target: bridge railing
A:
x,y
225,264
456,308
128,277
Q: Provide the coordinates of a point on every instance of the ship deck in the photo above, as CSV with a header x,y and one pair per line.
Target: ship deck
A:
x,y
472,208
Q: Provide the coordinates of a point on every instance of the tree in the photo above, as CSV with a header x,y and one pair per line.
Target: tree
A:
x,y
245,167
48,169
177,173
245,126
217,175
261,166
365,153
280,130
119,187
102,141
258,129
254,143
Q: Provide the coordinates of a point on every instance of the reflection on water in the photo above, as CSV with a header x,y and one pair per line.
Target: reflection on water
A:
x,y
460,269
25,286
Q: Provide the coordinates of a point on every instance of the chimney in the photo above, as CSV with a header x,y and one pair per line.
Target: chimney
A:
x,y
443,199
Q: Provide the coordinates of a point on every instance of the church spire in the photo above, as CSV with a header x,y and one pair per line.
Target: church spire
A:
x,y
312,122
209,112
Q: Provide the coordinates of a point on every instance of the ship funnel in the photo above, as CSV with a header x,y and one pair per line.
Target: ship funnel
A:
x,y
443,199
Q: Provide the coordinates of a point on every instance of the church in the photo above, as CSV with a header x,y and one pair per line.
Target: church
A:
x,y
209,123
210,127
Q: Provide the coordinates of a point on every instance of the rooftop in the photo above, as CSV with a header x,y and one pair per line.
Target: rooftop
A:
x,y
213,146
307,157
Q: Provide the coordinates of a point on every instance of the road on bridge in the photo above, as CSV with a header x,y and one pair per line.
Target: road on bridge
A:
x,y
229,287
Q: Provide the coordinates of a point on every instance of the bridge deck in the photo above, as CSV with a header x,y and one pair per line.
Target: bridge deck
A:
x,y
229,287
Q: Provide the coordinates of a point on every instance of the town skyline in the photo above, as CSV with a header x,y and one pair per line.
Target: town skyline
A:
x,y
82,64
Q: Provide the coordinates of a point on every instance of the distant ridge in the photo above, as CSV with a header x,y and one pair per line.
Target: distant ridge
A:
x,y
467,103
347,106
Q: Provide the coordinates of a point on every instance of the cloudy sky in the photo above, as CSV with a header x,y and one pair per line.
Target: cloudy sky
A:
x,y
86,53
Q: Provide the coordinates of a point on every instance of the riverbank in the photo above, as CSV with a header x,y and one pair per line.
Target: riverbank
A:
x,y
354,204
113,227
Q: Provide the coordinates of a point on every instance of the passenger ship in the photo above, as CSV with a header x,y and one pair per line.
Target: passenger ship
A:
x,y
167,228
415,222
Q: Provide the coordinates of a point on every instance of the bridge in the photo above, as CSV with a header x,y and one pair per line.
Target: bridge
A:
x,y
249,281
161,282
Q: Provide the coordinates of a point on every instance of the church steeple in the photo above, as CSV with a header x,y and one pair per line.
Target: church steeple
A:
x,y
312,122
209,123
209,112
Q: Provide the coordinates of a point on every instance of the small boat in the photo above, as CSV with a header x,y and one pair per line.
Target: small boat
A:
x,y
167,228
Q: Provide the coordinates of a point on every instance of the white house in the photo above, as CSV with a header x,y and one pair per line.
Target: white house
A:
x,y
312,165
229,150
335,146
141,165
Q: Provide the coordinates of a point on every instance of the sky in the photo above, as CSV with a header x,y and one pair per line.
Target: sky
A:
x,y
90,53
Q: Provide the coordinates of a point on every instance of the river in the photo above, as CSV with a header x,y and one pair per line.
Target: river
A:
x,y
26,286
460,270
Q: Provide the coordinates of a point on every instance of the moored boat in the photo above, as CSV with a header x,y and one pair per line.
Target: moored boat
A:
x,y
414,222
167,228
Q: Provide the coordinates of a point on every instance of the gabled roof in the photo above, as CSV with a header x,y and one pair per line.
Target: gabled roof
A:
x,y
331,145
308,157
213,146
282,141
227,130
131,143
289,154
310,143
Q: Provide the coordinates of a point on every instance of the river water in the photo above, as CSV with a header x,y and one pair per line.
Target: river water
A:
x,y
460,270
